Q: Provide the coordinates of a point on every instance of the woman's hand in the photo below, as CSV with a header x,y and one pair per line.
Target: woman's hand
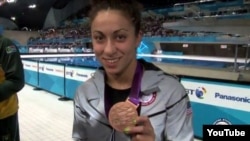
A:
x,y
143,131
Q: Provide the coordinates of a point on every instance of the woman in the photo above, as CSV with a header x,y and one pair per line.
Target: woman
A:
x,y
161,104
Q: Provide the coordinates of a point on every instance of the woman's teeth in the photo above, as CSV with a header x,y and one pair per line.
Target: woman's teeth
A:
x,y
112,60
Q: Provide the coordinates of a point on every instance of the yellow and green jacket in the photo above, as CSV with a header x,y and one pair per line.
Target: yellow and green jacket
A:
x,y
11,77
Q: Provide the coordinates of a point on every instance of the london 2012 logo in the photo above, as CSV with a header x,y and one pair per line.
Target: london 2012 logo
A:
x,y
200,92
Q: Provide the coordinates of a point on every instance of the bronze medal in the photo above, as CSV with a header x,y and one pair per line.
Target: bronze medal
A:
x,y
122,115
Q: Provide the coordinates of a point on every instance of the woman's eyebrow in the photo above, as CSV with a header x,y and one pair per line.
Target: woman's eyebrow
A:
x,y
99,32
122,29
116,31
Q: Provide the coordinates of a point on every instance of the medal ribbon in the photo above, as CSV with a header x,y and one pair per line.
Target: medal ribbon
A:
x,y
135,88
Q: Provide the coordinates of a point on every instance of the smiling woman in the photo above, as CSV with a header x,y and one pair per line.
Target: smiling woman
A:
x,y
111,106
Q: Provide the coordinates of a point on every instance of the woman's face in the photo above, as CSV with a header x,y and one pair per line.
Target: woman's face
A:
x,y
114,41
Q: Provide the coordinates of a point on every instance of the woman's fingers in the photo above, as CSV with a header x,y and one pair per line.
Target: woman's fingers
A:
x,y
143,131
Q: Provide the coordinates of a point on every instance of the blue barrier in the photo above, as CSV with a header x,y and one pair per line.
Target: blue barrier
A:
x,y
60,79
51,78
31,72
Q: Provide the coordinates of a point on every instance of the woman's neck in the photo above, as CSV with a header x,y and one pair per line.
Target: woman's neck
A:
x,y
123,80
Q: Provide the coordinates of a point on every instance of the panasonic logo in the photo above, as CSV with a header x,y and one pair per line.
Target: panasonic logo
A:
x,y
232,98
81,75
49,69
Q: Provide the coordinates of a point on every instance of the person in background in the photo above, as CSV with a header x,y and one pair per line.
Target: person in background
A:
x,y
127,99
11,81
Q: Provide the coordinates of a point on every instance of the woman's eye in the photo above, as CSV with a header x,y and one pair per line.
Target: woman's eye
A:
x,y
98,38
120,37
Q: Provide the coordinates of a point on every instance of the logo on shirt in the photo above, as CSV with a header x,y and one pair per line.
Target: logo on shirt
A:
x,y
10,49
148,99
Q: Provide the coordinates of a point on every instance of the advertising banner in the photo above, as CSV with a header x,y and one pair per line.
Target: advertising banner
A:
x,y
78,74
224,95
30,72
51,78
75,76
217,103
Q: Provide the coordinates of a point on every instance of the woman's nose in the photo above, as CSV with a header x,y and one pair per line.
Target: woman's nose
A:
x,y
110,47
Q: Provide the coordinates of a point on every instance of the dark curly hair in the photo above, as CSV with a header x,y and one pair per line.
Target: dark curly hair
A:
x,y
130,8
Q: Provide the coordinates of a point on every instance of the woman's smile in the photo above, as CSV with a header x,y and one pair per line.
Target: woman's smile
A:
x,y
111,62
